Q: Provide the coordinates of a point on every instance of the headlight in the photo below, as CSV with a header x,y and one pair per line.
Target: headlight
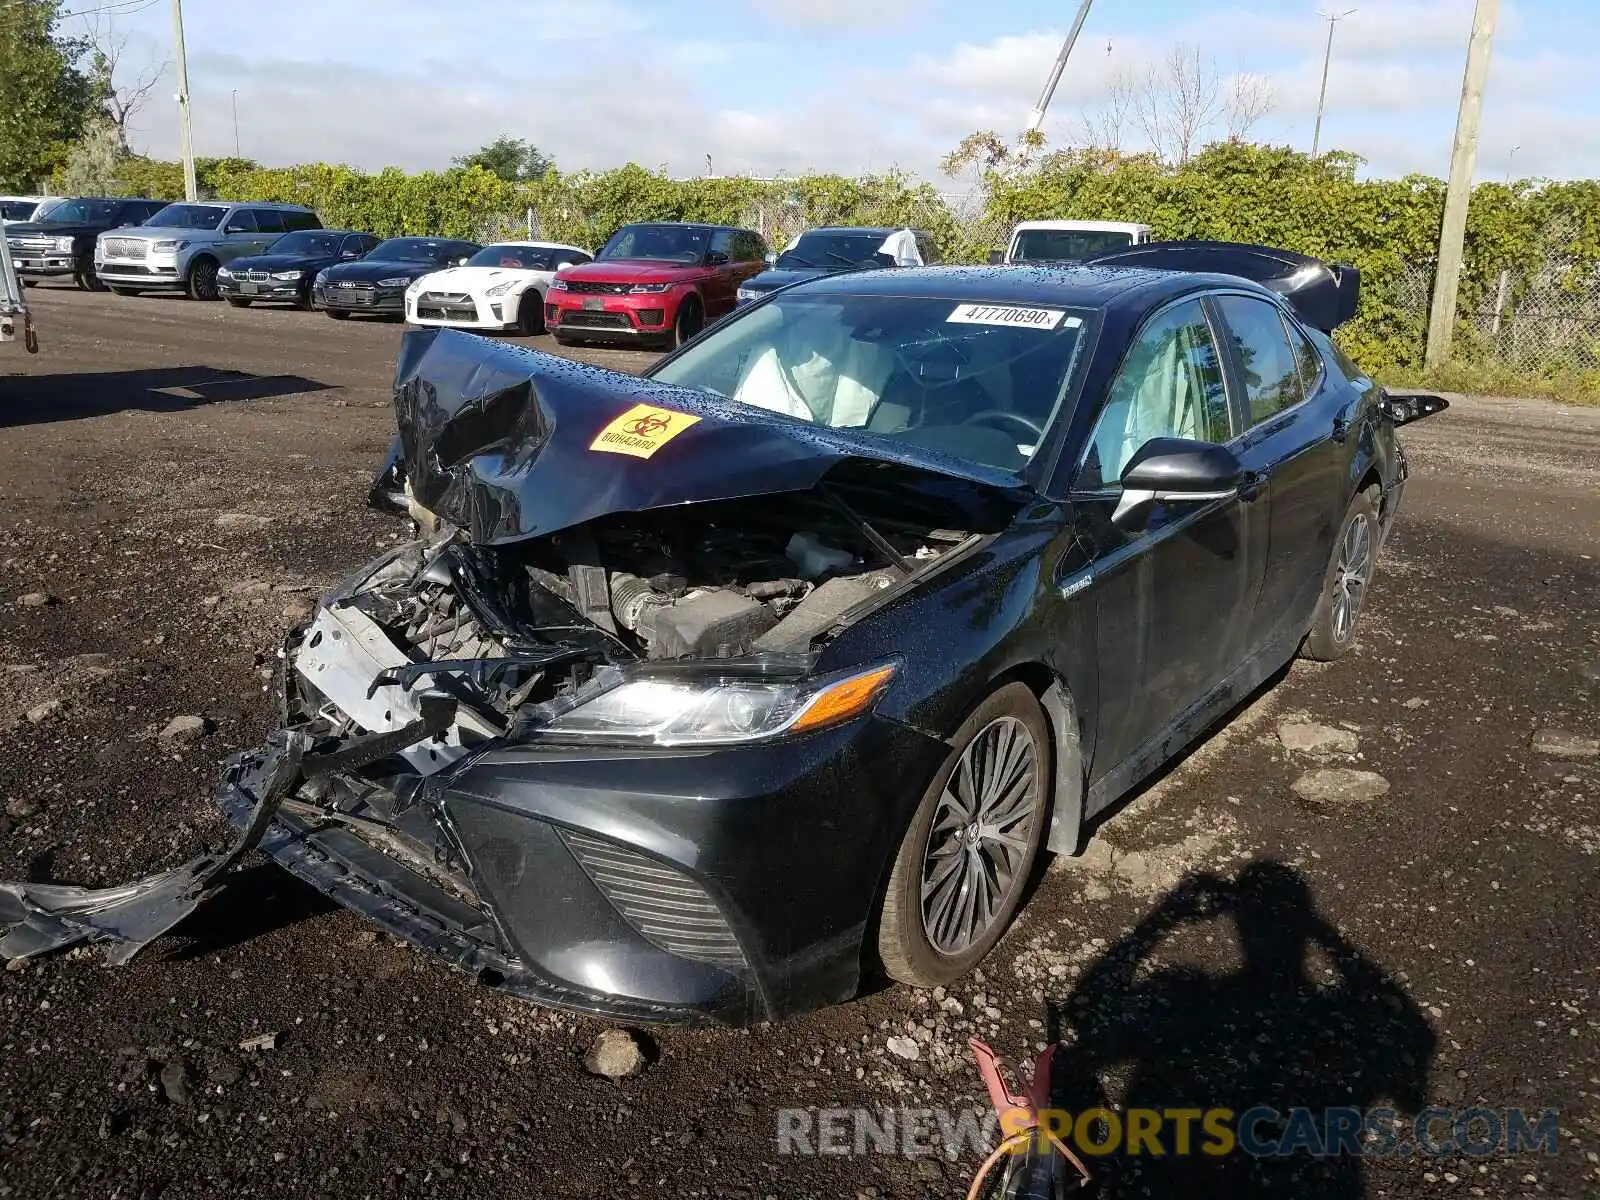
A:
x,y
395,281
224,273
167,246
321,280
500,289
748,294
680,709
558,285
285,275
415,288
64,244
649,287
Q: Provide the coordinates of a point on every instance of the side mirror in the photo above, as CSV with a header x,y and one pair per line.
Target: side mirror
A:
x,y
463,260
1175,471
350,254
770,258
716,258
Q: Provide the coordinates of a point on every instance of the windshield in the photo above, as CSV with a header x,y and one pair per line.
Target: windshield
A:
x,y
1066,245
188,216
308,241
421,250
980,382
665,243
527,258
17,210
836,250
78,212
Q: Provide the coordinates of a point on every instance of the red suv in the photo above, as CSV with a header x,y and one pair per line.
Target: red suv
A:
x,y
653,284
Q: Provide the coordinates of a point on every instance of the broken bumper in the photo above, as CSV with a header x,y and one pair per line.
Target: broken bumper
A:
x,y
731,887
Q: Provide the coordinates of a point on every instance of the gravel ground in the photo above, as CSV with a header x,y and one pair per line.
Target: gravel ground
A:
x,y
1400,902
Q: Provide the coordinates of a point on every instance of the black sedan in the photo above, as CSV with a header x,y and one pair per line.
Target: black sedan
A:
x,y
378,282
835,248
704,695
283,274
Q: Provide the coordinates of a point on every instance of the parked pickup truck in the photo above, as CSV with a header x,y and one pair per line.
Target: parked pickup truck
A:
x,y
14,315
1068,241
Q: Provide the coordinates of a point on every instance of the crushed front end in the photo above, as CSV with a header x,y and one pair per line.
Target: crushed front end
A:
x,y
649,800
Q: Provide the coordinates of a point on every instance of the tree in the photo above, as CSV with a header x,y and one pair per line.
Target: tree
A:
x,y
94,168
1184,95
46,97
1105,127
511,159
124,84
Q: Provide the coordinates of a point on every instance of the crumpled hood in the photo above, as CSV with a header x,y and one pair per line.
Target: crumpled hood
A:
x,y
511,444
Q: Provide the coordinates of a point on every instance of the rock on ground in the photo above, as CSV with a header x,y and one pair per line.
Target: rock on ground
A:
x,y
1332,786
40,713
1558,743
904,1047
615,1054
35,599
1308,737
184,731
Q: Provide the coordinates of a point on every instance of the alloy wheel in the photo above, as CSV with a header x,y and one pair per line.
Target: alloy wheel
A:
x,y
1350,576
982,829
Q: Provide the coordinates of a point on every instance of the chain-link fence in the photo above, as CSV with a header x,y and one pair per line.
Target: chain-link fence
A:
x,y
1538,316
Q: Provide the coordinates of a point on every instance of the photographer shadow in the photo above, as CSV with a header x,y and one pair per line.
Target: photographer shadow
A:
x,y
1269,1033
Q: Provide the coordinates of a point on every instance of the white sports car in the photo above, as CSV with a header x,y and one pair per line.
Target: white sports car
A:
x,y
501,287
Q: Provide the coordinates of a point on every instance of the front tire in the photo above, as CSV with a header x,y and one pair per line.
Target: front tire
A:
x,y
530,313
201,282
85,277
965,862
1345,584
691,320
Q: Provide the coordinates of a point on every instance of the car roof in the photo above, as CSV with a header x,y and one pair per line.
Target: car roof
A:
x,y
537,245
886,230
690,225
1106,226
1069,284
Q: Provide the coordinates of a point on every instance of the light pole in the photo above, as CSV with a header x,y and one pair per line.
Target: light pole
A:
x,y
185,126
1327,55
236,122
1509,159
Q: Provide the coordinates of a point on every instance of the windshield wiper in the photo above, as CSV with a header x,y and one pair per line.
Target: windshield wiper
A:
x,y
849,262
795,261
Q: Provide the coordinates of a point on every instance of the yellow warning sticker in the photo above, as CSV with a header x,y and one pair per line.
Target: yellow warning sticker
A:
x,y
642,430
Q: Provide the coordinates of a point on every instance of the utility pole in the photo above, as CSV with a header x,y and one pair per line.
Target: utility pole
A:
x,y
185,127
1036,118
1458,193
236,122
1327,56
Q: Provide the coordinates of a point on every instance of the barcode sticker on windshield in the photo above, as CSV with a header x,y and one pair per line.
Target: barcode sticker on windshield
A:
x,y
1008,314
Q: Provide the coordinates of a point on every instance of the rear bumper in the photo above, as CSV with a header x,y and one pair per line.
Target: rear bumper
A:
x,y
574,878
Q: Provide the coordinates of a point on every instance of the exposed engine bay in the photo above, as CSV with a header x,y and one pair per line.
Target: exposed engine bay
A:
x,y
513,631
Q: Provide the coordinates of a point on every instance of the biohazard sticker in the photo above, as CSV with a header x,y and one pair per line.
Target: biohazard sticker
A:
x,y
1011,315
642,430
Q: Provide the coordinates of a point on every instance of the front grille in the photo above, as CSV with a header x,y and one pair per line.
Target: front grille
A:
x,y
256,276
597,320
585,287
446,306
667,908
33,243
353,285
126,247
652,316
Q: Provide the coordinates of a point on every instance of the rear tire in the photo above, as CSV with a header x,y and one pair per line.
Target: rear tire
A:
x,y
236,302
530,313
691,320
1346,582
995,781
27,283
201,282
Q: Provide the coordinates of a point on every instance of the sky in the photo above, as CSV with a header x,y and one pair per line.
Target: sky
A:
x,y
763,87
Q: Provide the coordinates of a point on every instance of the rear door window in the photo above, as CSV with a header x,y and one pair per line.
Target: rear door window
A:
x,y
1267,363
269,220
300,220
242,221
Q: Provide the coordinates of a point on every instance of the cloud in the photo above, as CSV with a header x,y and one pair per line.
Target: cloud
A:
x,y
859,13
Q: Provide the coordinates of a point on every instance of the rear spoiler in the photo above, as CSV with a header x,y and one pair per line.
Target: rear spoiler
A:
x,y
1324,295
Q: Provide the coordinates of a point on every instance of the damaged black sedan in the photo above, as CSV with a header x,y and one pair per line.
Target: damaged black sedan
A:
x,y
708,694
